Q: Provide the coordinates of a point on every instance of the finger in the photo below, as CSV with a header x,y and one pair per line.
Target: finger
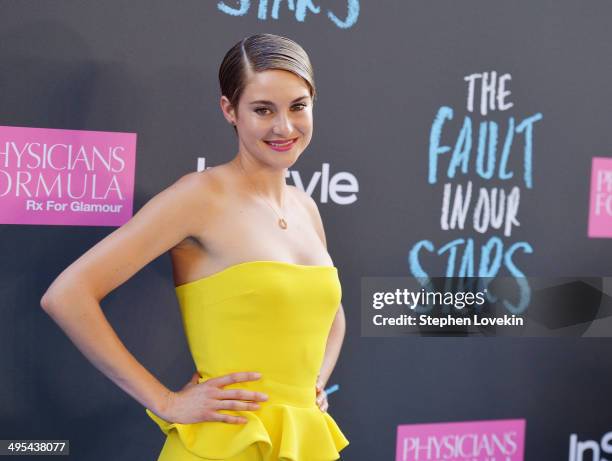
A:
x,y
229,418
236,405
192,381
232,378
325,406
242,394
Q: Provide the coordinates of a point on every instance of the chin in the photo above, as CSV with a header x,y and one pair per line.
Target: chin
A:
x,y
286,162
281,159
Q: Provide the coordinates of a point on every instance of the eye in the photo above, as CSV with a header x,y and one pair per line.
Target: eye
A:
x,y
259,109
301,106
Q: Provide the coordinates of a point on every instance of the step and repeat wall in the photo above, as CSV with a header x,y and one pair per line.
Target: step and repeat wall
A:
x,y
451,138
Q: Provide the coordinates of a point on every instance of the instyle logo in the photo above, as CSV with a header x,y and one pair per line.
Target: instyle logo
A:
x,y
495,440
66,177
600,209
590,450
340,187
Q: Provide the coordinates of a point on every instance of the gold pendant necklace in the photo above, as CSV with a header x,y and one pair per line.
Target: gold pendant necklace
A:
x,y
281,221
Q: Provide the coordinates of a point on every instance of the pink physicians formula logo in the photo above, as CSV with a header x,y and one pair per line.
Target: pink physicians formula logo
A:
x,y
66,177
600,209
495,440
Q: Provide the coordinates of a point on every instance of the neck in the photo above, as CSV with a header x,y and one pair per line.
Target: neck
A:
x,y
268,182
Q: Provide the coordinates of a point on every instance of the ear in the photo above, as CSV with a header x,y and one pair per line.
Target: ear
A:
x,y
228,110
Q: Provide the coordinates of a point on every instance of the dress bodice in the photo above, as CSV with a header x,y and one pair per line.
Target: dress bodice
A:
x,y
274,318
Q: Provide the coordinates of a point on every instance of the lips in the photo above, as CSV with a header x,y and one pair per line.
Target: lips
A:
x,y
281,145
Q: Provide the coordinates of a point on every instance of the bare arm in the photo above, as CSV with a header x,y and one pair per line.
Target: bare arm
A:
x,y
334,344
73,299
338,328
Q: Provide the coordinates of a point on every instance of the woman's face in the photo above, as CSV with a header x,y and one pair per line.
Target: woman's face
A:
x,y
275,107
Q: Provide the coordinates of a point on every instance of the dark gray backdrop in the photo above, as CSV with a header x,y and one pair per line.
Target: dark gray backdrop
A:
x,y
150,67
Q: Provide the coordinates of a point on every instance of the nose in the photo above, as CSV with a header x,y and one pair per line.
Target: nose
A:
x,y
282,126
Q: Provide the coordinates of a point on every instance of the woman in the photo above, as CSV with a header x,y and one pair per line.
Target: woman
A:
x,y
258,292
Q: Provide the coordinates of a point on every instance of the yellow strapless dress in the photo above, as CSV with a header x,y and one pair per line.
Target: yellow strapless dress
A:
x,y
274,318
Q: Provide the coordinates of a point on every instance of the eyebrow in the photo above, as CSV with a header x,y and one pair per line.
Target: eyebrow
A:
x,y
270,103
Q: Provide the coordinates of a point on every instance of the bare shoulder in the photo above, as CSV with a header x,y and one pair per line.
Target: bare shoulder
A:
x,y
198,181
200,187
164,221
303,198
200,196
313,210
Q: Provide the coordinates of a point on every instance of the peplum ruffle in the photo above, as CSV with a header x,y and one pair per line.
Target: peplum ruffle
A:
x,y
284,432
272,317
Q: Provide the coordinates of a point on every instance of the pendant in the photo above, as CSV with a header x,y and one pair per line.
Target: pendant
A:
x,y
282,223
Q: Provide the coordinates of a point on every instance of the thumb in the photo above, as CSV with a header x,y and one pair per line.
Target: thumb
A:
x,y
192,381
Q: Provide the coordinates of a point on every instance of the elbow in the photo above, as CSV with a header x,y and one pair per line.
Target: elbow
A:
x,y
56,293
341,319
47,301
61,295
338,328
51,298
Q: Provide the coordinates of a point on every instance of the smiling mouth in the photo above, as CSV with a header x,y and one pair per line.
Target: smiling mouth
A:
x,y
279,143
